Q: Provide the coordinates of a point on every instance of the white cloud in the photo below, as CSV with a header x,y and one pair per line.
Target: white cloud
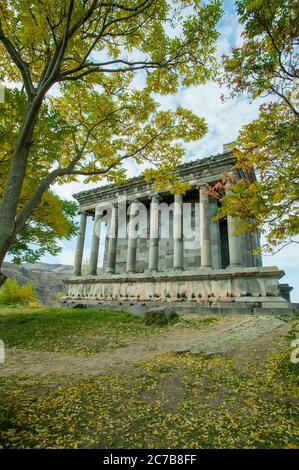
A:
x,y
224,119
65,257
66,191
287,257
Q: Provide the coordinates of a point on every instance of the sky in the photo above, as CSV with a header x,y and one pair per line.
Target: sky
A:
x,y
224,122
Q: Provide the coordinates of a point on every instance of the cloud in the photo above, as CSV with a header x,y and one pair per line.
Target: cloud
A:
x,y
66,191
286,258
224,120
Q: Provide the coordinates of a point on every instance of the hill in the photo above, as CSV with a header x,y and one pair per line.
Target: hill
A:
x,y
46,278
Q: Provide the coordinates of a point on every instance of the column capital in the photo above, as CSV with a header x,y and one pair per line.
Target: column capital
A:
x,y
155,197
132,201
178,198
202,186
231,179
131,208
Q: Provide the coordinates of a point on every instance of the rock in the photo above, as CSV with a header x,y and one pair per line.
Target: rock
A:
x,y
166,310
195,351
136,310
211,354
160,315
80,306
182,351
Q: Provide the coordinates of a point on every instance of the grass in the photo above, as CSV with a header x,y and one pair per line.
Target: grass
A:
x,y
70,330
78,331
170,401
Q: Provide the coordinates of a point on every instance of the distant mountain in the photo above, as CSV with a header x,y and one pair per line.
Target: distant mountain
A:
x,y
46,278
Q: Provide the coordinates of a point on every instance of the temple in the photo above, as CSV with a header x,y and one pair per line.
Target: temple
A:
x,y
165,249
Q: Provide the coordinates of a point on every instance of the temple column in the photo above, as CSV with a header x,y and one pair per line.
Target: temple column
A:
x,y
255,245
112,243
80,245
154,234
94,251
132,239
206,259
178,253
234,239
234,243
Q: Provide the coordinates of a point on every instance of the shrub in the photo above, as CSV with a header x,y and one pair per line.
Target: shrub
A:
x,y
59,295
11,293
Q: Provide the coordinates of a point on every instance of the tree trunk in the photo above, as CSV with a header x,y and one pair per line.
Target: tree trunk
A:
x,y
13,187
3,252
2,279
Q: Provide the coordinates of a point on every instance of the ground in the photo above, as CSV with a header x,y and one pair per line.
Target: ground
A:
x,y
85,378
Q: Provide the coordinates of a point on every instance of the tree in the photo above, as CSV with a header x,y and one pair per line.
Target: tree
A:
x,y
266,65
53,219
89,53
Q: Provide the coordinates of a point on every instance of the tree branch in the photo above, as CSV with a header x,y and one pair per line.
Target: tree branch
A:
x,y
287,101
33,202
19,62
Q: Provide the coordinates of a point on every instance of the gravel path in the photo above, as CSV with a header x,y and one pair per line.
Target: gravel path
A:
x,y
228,340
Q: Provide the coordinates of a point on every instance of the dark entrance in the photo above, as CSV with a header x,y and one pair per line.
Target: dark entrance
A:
x,y
224,243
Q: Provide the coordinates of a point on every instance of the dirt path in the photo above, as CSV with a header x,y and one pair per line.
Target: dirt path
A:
x,y
223,336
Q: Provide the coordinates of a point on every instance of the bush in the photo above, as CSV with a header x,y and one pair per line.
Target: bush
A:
x,y
11,293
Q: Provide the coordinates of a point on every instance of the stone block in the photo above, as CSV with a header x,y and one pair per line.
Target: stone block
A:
x,y
160,315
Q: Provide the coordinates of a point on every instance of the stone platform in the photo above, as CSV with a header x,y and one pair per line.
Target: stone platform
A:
x,y
201,290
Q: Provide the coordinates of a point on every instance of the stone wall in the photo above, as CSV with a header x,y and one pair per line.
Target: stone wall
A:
x,y
233,287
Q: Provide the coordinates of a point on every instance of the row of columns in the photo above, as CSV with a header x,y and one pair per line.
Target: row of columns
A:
x,y
178,250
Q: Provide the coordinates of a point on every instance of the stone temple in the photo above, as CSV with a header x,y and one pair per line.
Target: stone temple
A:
x,y
165,249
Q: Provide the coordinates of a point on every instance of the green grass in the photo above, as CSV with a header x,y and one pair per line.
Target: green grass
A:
x,y
70,330
79,331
